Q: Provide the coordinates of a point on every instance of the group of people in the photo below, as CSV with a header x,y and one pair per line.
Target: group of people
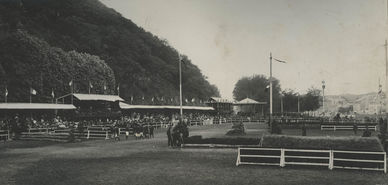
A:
x,y
176,133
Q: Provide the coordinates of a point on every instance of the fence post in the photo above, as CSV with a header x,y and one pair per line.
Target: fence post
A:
x,y
282,158
385,162
331,160
106,135
238,157
88,134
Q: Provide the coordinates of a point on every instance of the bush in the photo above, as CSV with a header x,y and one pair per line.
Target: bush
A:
x,y
225,141
323,143
238,129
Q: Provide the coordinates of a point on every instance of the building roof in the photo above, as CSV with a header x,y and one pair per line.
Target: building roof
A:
x,y
248,101
94,97
35,106
219,100
127,106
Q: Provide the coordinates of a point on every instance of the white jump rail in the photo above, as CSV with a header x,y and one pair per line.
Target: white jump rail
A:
x,y
310,157
4,133
347,127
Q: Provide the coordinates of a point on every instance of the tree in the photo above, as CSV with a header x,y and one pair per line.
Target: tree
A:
x,y
255,88
290,100
311,100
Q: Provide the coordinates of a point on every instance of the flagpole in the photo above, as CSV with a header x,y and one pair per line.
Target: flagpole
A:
x,y
270,91
6,94
89,87
180,86
386,76
30,95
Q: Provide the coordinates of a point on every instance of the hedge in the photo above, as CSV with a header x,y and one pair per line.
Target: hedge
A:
x,y
322,143
225,141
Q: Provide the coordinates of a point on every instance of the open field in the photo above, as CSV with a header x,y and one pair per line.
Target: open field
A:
x,y
152,162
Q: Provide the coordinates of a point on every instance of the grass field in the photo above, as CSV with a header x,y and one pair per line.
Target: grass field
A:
x,y
152,162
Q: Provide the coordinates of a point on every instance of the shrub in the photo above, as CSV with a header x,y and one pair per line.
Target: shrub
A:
x,y
323,143
225,141
237,130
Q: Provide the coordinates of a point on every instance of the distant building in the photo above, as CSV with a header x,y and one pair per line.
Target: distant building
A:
x,y
249,106
220,105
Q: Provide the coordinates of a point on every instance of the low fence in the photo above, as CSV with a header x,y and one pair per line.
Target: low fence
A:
x,y
348,127
329,158
4,135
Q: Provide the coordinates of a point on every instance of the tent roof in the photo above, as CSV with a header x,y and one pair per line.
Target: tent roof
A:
x,y
248,101
219,100
94,97
127,106
35,106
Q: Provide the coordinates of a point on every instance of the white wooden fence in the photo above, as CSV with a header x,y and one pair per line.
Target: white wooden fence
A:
x,y
347,127
330,158
4,134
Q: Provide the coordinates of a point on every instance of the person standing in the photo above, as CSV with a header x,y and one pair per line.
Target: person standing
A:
x,y
355,128
169,136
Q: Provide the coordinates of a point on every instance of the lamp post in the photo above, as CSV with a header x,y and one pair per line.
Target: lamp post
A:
x,y
270,87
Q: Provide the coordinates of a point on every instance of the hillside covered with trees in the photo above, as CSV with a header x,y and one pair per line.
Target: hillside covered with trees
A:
x,y
46,43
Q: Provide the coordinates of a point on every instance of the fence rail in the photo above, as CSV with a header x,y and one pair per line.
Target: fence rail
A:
x,y
330,158
348,127
4,135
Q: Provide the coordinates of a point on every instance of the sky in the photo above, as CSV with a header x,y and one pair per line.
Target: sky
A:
x,y
340,42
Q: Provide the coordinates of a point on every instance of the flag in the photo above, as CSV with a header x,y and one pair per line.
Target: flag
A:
x,y
172,100
104,87
193,100
90,84
131,98
32,91
52,93
118,87
6,92
71,83
186,100
279,60
142,97
152,99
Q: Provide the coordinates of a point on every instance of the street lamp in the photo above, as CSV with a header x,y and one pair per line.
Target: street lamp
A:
x,y
180,87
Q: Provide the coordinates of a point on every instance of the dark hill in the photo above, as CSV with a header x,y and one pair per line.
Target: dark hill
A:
x,y
143,64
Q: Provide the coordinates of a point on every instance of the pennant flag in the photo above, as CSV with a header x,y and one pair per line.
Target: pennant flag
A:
x,y
90,84
6,91
32,91
131,98
52,93
104,87
186,100
152,99
193,100
118,87
279,60
71,83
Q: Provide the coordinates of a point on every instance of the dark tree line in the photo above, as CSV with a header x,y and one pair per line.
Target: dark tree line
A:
x,y
256,88
142,64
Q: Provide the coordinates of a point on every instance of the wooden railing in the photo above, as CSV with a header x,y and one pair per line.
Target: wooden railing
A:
x,y
330,158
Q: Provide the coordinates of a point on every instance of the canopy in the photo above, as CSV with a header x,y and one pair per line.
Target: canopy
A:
x,y
248,101
127,106
35,106
93,97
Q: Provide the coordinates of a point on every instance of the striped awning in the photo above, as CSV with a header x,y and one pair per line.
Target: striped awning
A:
x,y
96,97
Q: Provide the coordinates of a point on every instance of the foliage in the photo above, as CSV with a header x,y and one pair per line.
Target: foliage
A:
x,y
311,100
255,87
237,129
224,141
143,64
322,143
31,62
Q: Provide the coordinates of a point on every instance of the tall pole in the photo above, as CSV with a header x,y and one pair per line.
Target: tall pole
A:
x,y
30,95
386,76
270,90
281,104
298,105
323,96
180,87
